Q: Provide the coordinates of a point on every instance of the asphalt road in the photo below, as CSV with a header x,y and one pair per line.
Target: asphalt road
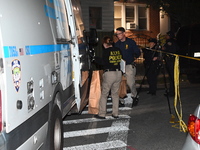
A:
x,y
143,127
150,127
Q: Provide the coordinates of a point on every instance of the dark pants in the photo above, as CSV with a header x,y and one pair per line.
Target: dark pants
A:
x,y
152,71
170,69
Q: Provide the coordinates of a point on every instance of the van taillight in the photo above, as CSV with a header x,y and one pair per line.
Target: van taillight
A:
x,y
0,112
194,128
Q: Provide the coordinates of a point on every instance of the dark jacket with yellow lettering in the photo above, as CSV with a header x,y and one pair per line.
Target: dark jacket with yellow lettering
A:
x,y
111,58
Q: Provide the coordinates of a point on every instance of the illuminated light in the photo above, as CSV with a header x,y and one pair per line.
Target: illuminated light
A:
x,y
197,54
194,128
76,10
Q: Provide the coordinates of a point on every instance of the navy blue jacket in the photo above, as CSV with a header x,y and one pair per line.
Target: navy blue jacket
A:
x,y
129,50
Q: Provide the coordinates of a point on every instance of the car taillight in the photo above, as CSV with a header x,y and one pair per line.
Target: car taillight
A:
x,y
0,112
194,128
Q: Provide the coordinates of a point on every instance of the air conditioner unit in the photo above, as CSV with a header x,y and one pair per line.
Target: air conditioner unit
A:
x,y
130,25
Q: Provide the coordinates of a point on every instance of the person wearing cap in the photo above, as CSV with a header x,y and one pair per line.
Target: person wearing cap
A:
x,y
130,52
151,64
171,47
112,75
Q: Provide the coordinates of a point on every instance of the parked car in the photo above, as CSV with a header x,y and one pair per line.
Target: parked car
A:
x,y
189,43
193,138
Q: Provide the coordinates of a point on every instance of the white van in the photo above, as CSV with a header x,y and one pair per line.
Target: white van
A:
x,y
42,74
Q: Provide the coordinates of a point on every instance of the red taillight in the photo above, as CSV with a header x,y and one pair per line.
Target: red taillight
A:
x,y
0,112
194,128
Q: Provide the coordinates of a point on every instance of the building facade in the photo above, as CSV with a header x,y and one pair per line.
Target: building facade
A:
x,y
141,22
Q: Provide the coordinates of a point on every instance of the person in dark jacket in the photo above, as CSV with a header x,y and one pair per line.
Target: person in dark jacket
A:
x,y
151,64
171,47
130,52
112,75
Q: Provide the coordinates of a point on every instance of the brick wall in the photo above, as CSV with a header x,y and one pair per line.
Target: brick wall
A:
x,y
154,22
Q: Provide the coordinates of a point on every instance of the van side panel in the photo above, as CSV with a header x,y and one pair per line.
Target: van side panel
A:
x,y
40,71
30,56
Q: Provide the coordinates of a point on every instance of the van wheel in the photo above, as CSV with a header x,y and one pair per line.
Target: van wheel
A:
x,y
56,129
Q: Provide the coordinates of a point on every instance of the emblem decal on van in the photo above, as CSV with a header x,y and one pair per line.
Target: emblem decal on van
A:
x,y
16,73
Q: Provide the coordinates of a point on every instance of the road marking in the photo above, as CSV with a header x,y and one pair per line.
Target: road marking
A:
x,y
119,135
94,131
98,146
110,109
67,122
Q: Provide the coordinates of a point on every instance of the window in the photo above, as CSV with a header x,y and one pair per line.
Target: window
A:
x,y
117,16
131,16
142,17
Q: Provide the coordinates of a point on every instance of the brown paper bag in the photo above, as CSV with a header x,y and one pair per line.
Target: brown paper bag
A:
x,y
122,88
84,76
95,93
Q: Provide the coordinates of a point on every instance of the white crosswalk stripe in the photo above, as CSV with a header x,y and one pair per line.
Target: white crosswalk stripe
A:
x,y
93,119
114,135
117,133
94,131
98,146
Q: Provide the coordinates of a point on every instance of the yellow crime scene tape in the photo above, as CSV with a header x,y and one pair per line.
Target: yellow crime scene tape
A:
x,y
177,99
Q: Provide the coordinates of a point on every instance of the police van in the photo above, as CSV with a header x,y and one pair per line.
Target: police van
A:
x,y
44,74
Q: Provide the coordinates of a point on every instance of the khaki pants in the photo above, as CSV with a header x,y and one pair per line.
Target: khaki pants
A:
x,y
130,77
111,81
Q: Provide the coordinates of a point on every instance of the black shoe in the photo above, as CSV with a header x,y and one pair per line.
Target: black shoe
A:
x,y
109,96
135,101
124,97
115,116
152,93
99,117
121,104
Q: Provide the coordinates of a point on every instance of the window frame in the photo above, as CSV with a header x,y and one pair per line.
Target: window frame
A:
x,y
136,15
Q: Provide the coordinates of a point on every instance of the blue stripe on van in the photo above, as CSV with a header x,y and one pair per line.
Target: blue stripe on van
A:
x,y
54,14
12,51
50,12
